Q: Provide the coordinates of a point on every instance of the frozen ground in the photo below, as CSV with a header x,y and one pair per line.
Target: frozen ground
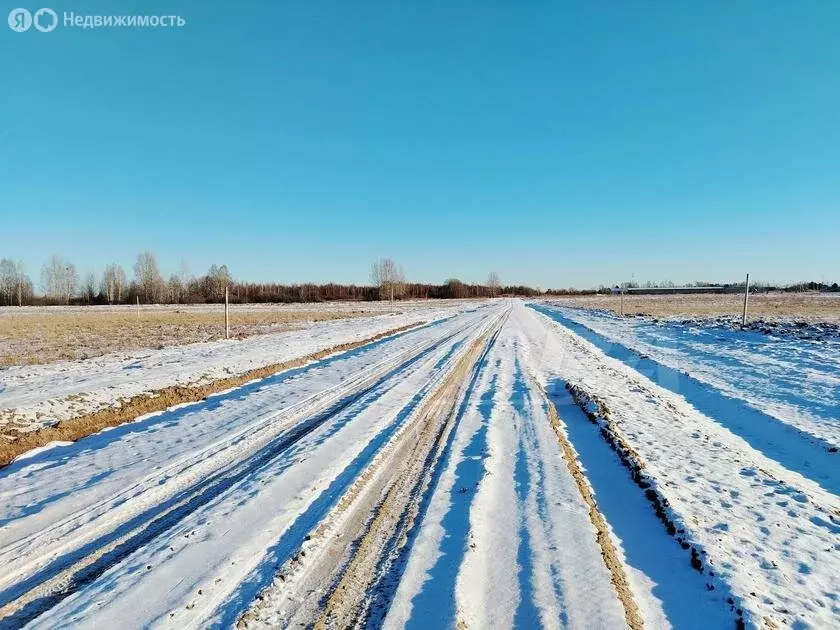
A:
x,y
762,381
40,395
819,308
506,539
36,335
766,533
489,469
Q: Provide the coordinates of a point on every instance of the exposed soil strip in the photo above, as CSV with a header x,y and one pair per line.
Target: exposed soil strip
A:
x,y
386,532
355,547
54,583
608,551
599,414
161,399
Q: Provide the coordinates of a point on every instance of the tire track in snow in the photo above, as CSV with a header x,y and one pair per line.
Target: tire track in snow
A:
x,y
28,599
155,488
467,475
528,553
608,550
393,491
669,592
292,540
528,479
443,541
557,577
438,425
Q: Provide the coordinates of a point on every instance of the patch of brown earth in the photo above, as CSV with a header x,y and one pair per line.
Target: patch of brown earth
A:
x,y
353,548
605,543
395,514
599,414
16,444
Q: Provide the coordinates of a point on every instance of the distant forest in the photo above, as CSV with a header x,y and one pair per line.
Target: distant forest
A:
x,y
60,284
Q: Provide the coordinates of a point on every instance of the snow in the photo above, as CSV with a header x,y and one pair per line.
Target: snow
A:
x,y
770,532
246,497
184,517
794,380
37,451
507,538
42,395
670,593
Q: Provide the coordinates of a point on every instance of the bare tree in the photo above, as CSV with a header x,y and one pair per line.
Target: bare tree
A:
x,y
15,286
389,277
493,283
71,282
51,277
23,285
147,276
113,283
176,292
214,283
90,287
8,280
59,279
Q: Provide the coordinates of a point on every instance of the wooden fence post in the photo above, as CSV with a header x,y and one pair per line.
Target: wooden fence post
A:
x,y
227,317
746,299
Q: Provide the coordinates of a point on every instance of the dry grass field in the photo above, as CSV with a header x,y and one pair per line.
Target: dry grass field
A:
x,y
41,335
812,307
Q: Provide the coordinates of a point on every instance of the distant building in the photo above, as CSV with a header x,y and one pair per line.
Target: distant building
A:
x,y
616,290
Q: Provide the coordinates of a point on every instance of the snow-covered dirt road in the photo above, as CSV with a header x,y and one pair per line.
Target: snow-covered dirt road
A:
x,y
506,538
488,469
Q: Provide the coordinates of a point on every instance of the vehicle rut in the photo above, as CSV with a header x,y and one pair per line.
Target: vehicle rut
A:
x,y
27,599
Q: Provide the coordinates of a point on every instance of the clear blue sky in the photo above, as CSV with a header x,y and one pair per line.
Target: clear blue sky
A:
x,y
559,143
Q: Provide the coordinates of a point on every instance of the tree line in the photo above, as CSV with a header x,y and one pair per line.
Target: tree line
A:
x,y
707,287
60,283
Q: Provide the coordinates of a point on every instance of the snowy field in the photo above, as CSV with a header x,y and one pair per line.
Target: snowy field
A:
x,y
766,307
36,335
34,396
504,464
762,382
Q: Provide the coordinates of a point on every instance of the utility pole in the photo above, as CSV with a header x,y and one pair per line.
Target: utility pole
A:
x,y
227,317
138,307
746,299
621,292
